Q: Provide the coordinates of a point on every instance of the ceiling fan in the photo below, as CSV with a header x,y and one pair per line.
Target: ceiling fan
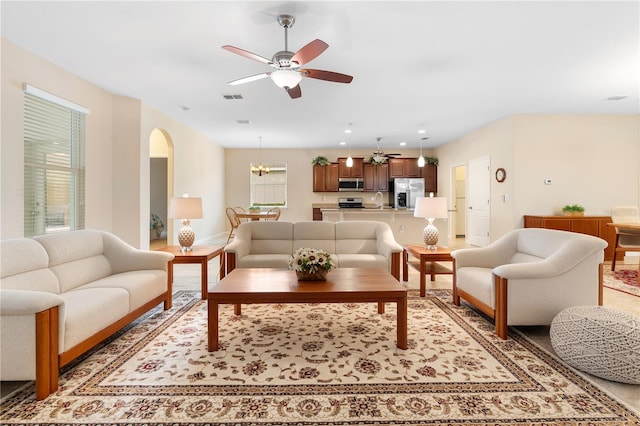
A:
x,y
379,156
287,64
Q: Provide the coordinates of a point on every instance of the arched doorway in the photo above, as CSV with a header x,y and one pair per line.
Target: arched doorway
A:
x,y
160,188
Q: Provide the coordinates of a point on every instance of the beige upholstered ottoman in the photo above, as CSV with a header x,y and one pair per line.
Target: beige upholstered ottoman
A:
x,y
600,341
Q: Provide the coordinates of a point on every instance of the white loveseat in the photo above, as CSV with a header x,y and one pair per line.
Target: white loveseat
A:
x,y
529,275
61,294
351,244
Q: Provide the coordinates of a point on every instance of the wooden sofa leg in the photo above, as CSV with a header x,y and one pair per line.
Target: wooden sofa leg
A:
x,y
231,262
600,283
500,316
46,352
395,265
456,297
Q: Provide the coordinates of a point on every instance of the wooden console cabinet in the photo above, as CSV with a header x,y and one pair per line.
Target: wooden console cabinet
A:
x,y
590,225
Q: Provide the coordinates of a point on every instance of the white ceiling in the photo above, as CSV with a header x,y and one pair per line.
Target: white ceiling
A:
x,y
448,67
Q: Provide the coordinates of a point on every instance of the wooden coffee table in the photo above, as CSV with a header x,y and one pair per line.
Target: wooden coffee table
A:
x,y
427,263
343,285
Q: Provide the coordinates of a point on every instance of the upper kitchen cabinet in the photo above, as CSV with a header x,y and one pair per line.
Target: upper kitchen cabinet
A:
x,y
355,171
430,175
325,178
376,177
404,167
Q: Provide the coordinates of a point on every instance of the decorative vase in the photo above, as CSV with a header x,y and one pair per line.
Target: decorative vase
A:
x,y
320,275
572,213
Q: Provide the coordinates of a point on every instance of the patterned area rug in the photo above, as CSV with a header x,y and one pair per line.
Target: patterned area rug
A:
x,y
625,280
318,364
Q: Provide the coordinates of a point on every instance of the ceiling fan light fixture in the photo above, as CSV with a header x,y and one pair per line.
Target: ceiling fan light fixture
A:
x,y
286,79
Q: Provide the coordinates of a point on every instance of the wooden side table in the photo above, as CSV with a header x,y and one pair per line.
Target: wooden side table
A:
x,y
199,254
427,263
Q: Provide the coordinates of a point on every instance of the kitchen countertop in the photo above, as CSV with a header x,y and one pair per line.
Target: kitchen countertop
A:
x,y
367,207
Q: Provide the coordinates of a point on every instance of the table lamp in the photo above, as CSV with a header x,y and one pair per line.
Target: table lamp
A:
x,y
431,208
186,208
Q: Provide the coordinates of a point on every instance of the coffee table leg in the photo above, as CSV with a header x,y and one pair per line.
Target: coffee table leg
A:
x,y
212,325
237,309
381,307
402,323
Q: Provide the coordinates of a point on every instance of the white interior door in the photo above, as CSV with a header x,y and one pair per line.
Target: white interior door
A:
x,y
478,202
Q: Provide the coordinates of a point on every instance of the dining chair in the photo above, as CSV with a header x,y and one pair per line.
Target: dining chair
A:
x,y
233,221
626,239
275,210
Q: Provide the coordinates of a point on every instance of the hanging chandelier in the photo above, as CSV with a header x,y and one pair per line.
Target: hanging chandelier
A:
x,y
260,169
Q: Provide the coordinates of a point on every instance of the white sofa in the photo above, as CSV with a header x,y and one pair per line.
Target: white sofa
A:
x,y
529,275
61,294
351,244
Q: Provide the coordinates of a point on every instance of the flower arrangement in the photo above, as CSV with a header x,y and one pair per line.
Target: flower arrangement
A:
x,y
310,261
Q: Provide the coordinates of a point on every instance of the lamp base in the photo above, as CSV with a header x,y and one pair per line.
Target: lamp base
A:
x,y
430,236
186,236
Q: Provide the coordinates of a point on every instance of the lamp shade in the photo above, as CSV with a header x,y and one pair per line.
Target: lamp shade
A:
x,y
286,78
185,208
431,207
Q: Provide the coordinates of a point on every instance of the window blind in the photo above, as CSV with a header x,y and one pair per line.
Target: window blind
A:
x,y
54,167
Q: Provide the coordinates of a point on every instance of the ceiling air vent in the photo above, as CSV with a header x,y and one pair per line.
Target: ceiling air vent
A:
x,y
243,121
616,98
232,97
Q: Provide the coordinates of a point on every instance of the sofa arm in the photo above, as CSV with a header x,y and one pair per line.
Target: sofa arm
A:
x,y
386,243
485,257
124,258
26,302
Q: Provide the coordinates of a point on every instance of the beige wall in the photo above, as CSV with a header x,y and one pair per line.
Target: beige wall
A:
x,y
117,153
593,160
19,67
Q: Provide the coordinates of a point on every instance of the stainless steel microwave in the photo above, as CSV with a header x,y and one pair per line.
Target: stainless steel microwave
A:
x,y
350,184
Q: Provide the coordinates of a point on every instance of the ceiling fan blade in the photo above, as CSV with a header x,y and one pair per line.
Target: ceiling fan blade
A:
x,y
247,54
309,52
295,92
250,78
327,75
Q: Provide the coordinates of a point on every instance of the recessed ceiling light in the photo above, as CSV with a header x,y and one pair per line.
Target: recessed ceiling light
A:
x,y
616,98
421,131
343,143
403,143
347,131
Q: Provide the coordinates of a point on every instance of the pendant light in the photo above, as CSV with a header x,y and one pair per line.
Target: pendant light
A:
x,y
421,158
260,169
349,159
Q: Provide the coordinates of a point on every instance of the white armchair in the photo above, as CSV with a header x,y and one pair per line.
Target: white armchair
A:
x,y
529,275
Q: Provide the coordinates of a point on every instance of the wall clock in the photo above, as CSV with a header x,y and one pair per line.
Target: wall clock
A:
x,y
501,175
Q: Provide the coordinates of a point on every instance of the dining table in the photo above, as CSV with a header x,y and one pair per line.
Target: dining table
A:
x,y
258,215
634,226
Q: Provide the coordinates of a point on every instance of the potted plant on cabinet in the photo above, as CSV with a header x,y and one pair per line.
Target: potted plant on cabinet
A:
x,y
320,161
573,210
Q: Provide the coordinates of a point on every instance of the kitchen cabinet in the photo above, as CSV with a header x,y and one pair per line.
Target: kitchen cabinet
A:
x,y
403,167
430,175
355,171
376,177
590,225
325,178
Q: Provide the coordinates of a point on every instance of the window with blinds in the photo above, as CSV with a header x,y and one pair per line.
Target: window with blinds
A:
x,y
54,171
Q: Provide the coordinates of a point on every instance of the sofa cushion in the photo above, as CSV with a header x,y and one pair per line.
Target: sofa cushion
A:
x,y
362,261
478,282
356,237
76,257
264,261
270,237
85,312
142,286
24,266
524,258
314,234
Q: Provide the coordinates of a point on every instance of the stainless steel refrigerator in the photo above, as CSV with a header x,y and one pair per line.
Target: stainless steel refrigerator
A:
x,y
404,191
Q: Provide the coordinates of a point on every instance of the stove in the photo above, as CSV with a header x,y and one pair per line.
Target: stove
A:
x,y
350,203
